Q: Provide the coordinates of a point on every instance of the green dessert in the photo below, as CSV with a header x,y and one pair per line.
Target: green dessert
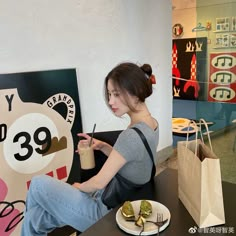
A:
x,y
127,211
145,208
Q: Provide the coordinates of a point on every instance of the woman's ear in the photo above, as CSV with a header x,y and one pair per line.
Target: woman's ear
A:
x,y
136,104
135,100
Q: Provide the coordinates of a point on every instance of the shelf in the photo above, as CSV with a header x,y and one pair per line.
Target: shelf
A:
x,y
223,47
221,31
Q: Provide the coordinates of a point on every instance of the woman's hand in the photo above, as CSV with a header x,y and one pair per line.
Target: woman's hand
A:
x,y
96,144
76,185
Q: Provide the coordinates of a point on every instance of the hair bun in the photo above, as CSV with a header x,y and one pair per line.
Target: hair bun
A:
x,y
147,69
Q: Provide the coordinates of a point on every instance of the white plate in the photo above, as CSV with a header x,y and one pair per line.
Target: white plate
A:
x,y
149,228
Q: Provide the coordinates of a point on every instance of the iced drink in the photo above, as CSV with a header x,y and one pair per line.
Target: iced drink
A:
x,y
86,155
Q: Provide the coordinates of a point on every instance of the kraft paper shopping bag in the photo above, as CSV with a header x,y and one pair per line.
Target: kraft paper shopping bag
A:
x,y
199,180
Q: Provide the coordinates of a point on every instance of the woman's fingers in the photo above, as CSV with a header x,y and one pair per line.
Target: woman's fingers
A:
x,y
96,144
84,135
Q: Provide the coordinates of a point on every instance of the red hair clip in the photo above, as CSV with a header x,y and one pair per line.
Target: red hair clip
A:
x,y
153,79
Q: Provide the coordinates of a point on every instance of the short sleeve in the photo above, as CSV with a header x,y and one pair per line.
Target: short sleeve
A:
x,y
130,145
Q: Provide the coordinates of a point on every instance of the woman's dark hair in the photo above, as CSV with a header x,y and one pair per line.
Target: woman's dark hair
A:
x,y
131,79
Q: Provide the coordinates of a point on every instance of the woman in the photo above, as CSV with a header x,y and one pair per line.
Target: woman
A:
x,y
52,203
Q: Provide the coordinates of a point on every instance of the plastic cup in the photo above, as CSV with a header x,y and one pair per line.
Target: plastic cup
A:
x,y
86,153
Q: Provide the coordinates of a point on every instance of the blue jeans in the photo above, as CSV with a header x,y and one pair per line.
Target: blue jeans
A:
x,y
52,203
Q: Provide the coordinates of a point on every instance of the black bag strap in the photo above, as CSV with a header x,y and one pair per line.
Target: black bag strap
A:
x,y
140,133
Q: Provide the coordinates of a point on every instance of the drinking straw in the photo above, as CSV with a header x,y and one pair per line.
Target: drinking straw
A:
x,y
92,135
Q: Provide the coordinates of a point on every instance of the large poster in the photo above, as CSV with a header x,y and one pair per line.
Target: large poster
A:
x,y
189,68
39,119
222,77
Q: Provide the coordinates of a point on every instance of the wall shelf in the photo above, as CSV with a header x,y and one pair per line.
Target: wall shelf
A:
x,y
223,31
223,47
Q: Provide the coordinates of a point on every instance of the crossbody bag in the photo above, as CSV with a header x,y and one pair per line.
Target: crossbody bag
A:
x,y
120,189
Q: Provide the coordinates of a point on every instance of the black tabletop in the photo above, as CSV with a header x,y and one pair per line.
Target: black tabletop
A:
x,y
165,191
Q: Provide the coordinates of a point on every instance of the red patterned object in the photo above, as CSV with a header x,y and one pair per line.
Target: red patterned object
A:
x,y
189,68
175,70
193,79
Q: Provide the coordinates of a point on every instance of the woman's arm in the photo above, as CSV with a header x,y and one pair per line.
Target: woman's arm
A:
x,y
112,165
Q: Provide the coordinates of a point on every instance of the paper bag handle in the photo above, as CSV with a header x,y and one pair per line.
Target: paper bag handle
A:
x,y
196,133
202,121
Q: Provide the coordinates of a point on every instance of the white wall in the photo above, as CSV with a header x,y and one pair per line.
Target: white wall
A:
x,y
92,36
184,13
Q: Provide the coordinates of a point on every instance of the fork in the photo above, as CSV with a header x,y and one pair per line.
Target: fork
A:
x,y
159,222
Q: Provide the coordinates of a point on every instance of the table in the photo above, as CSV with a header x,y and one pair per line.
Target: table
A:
x,y
180,126
166,192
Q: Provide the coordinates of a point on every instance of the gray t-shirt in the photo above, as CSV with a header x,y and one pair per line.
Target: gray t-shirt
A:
x,y
129,144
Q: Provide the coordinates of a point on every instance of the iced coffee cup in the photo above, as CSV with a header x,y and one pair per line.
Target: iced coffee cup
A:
x,y
86,155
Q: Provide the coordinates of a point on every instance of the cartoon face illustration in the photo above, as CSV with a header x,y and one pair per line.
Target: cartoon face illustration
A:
x,y
34,139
